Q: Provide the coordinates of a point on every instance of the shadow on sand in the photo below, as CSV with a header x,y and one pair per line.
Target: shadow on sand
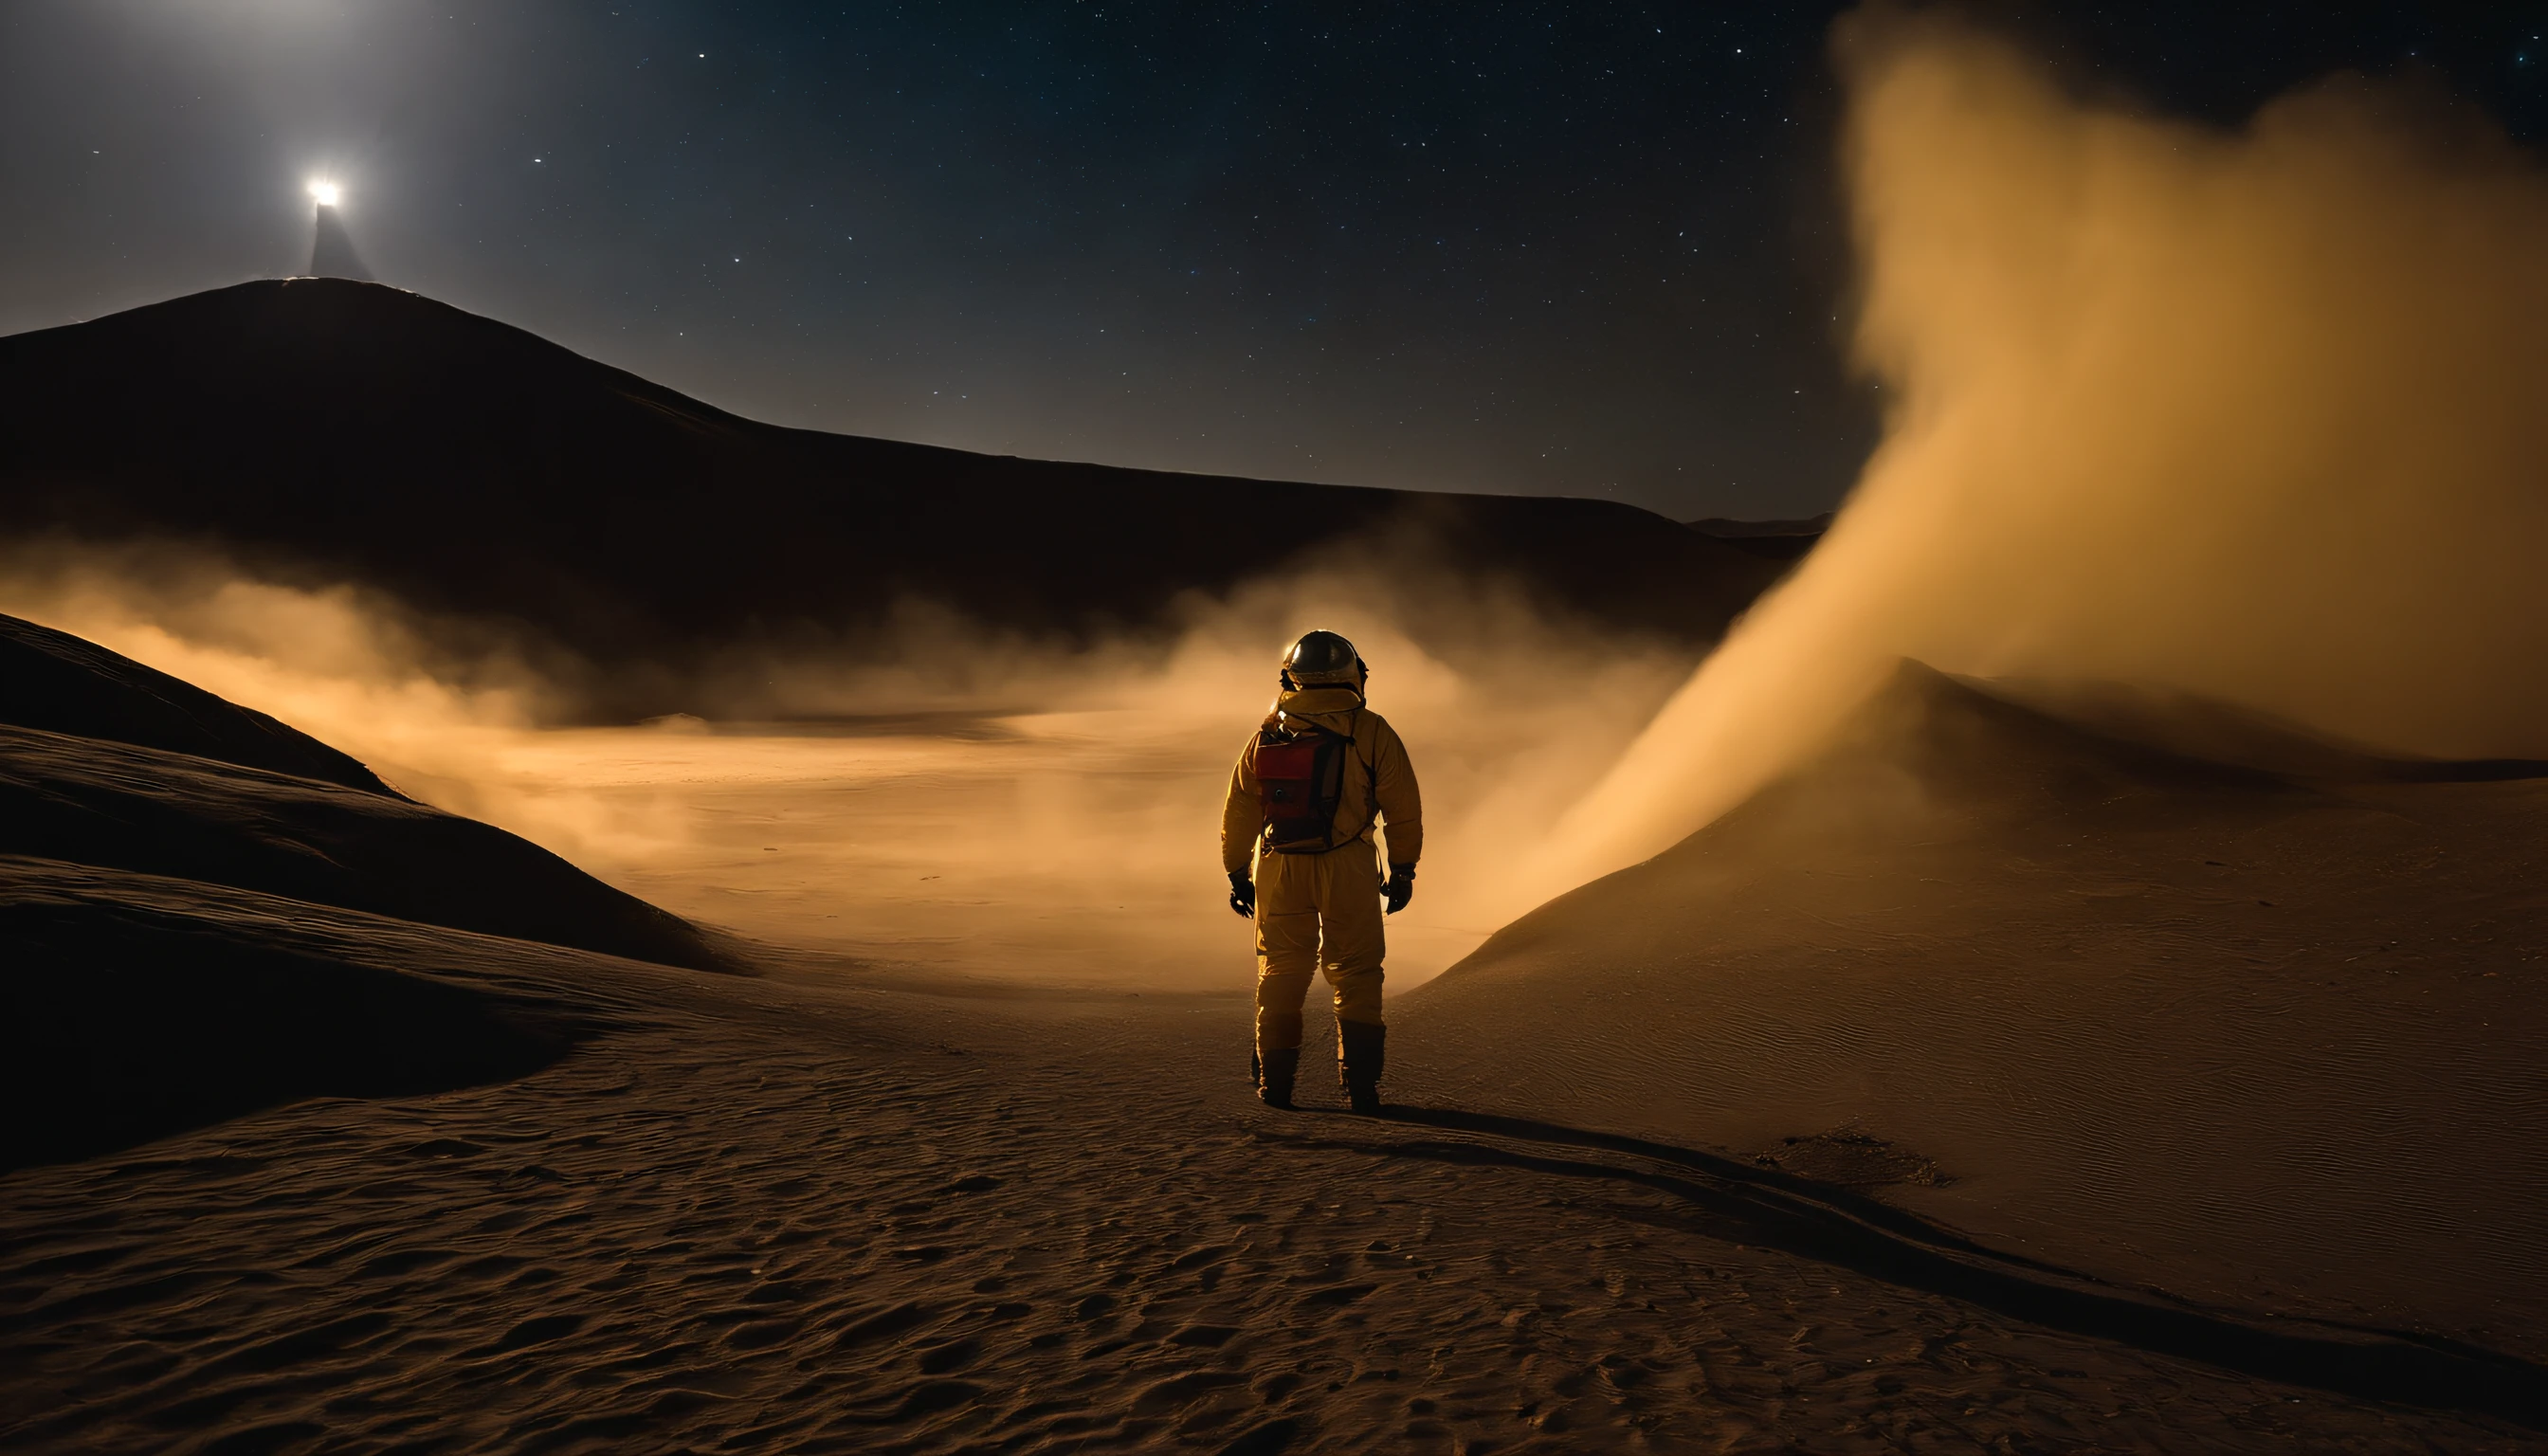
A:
x,y
1740,1203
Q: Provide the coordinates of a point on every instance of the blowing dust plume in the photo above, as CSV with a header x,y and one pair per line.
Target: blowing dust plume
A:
x,y
2256,416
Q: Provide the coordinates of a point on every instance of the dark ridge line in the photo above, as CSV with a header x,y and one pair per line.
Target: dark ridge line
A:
x,y
2463,771
1830,1225
2338,763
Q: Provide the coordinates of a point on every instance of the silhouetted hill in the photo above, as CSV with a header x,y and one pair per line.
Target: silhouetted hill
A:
x,y
355,431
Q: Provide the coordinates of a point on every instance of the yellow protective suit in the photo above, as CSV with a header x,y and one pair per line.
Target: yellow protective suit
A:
x,y
1321,911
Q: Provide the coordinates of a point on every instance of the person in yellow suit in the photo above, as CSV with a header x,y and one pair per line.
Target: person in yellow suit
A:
x,y
1320,779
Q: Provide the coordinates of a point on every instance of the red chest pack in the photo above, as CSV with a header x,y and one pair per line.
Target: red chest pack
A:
x,y
1300,781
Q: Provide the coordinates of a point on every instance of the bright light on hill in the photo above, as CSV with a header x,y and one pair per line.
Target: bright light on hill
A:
x,y
325,192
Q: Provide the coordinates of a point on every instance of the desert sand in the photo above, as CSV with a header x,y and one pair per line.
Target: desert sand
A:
x,y
395,1182
2258,1037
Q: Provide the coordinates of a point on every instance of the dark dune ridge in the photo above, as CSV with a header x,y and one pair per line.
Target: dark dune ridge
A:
x,y
345,840
128,1020
139,1007
2264,1039
61,683
1773,540
113,805
351,431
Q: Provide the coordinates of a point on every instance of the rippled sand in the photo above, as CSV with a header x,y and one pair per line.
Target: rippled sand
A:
x,y
2273,1043
801,1213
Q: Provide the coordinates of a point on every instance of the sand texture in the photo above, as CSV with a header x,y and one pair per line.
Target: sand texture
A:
x,y
2258,1040
792,1214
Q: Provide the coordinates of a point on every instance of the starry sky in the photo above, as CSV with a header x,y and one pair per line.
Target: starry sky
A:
x,y
1576,248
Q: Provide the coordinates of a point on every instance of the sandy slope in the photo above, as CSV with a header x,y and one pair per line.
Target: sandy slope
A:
x,y
2261,1041
137,1006
799,1213
106,762
121,1029
95,803
61,683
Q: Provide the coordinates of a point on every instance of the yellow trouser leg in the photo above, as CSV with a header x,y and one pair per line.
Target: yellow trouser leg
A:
x,y
1350,942
1317,913
1286,948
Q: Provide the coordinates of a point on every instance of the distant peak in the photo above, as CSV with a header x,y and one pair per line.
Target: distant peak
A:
x,y
1728,528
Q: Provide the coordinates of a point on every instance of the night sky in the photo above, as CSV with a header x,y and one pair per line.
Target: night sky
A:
x,y
1576,248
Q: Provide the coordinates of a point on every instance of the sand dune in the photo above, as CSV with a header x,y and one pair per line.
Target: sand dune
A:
x,y
2258,1038
61,683
140,1006
141,1000
94,801
113,805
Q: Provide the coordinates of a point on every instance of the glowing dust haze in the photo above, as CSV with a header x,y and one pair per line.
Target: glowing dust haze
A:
x,y
2261,417
963,802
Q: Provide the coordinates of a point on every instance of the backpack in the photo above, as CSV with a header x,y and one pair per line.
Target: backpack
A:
x,y
1300,781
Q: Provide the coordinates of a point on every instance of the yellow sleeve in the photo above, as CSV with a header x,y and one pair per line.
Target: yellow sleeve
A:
x,y
1401,804
1242,814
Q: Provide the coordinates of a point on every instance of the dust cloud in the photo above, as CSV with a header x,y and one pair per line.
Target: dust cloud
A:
x,y
956,801
2254,416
